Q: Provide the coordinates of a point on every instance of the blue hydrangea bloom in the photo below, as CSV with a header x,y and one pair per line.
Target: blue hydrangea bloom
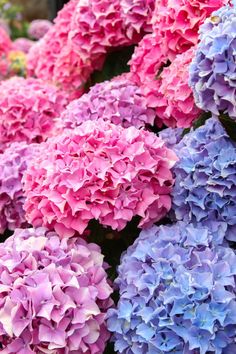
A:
x,y
213,70
171,136
205,177
177,293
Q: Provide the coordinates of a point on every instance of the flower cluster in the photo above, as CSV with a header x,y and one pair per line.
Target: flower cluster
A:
x,y
205,177
28,108
148,59
175,106
23,44
78,42
177,293
99,171
137,15
212,73
119,101
13,163
54,295
38,28
171,136
177,22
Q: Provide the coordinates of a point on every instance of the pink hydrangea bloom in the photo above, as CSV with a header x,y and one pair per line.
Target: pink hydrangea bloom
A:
x,y
13,163
77,44
28,109
99,171
137,15
38,28
148,59
119,101
177,21
23,44
176,106
54,295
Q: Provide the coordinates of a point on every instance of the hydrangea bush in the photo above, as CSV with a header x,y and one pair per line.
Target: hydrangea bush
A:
x,y
28,110
54,295
205,175
99,171
13,163
119,101
177,293
213,68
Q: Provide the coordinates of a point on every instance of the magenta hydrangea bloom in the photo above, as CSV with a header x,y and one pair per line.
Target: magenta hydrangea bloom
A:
x,y
23,44
99,171
28,110
176,106
119,101
177,22
137,15
38,28
13,163
77,44
54,295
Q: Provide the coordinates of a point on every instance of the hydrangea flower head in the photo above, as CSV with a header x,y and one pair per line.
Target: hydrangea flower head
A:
x,y
205,177
77,44
13,163
55,294
99,171
38,28
28,109
177,293
176,106
119,101
213,68
178,22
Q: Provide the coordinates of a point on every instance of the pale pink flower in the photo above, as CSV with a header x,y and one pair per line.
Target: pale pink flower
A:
x,y
54,295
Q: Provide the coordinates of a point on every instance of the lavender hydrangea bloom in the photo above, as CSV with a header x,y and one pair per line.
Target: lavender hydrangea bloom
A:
x,y
13,163
54,295
212,72
206,177
177,293
119,101
171,136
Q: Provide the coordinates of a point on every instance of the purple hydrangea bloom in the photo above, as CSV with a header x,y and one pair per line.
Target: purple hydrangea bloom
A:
x,y
119,101
13,162
212,72
54,295
177,293
205,177
171,136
